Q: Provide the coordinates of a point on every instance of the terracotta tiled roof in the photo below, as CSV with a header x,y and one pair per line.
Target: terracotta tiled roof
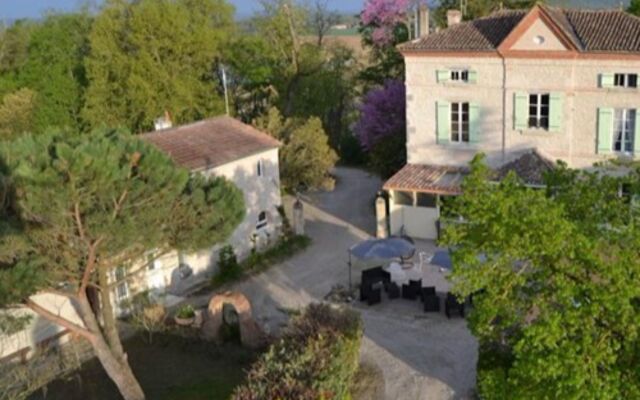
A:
x,y
530,167
606,30
482,34
211,142
427,179
589,30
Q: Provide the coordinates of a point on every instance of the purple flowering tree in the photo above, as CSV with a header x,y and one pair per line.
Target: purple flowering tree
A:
x,y
381,128
382,114
382,16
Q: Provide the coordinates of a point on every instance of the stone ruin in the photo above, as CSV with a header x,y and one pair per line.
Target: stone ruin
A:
x,y
250,333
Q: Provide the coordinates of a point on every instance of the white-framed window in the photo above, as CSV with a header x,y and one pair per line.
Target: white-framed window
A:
x,y
539,110
624,130
122,288
260,168
625,80
262,221
460,122
459,75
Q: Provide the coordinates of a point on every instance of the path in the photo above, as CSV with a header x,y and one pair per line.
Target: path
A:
x,y
422,356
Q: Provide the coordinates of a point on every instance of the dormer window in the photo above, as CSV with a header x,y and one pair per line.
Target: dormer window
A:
x,y
625,80
459,75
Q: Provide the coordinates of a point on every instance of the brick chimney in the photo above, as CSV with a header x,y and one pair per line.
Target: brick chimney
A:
x,y
423,20
453,17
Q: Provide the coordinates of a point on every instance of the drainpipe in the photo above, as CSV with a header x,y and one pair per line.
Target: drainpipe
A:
x,y
504,107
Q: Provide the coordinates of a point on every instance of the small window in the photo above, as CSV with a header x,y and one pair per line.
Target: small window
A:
x,y
426,200
262,221
624,130
460,75
403,198
459,122
539,111
625,80
260,168
122,288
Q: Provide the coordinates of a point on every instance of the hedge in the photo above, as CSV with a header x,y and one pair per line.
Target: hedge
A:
x,y
316,358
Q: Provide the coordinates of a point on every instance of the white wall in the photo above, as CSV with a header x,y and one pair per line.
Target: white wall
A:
x,y
417,222
39,328
577,79
261,193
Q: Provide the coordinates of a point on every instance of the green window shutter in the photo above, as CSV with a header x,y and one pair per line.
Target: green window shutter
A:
x,y
605,129
520,110
556,111
636,139
443,75
474,122
606,80
473,76
443,117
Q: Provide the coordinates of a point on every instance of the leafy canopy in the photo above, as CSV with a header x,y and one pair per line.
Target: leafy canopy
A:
x,y
150,56
305,158
65,194
555,277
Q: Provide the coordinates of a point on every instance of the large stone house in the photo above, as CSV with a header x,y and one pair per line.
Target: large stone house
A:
x,y
526,88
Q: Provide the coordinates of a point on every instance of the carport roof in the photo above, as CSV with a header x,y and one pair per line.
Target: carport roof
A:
x,y
436,179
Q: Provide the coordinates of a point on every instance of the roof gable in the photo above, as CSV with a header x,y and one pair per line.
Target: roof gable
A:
x,y
539,37
539,22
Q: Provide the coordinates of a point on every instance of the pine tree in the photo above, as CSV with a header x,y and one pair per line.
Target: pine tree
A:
x,y
75,206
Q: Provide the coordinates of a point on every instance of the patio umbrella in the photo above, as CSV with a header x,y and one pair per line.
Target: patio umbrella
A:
x,y
380,250
442,258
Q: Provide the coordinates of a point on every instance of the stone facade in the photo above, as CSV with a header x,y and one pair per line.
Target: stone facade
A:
x,y
497,82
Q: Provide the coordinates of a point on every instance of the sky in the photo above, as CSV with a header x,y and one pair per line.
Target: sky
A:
x,y
14,9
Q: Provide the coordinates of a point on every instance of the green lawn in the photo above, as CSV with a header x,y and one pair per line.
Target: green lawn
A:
x,y
171,367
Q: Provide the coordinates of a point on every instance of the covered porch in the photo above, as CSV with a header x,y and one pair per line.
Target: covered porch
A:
x,y
417,199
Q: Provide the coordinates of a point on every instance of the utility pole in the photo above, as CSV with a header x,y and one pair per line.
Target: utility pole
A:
x,y
224,85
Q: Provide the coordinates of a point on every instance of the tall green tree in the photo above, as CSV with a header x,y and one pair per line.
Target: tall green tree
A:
x,y
76,206
634,7
306,159
47,58
149,56
555,277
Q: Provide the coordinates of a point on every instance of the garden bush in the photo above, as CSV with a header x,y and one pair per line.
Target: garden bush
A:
x,y
316,358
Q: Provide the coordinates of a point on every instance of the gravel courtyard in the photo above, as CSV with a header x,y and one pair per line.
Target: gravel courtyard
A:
x,y
422,356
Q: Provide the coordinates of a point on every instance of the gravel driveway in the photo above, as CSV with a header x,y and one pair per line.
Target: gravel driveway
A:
x,y
422,356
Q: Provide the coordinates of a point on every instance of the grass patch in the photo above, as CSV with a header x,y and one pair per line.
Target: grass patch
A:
x,y
172,367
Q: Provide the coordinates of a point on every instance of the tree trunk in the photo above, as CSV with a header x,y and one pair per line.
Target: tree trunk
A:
x,y
119,371
108,316
113,359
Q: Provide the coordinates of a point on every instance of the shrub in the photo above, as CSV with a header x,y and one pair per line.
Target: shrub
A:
x,y
388,155
186,311
316,358
228,264
493,364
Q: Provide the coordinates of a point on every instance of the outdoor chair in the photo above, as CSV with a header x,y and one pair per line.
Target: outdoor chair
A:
x,y
430,299
452,304
393,290
374,296
376,274
412,290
